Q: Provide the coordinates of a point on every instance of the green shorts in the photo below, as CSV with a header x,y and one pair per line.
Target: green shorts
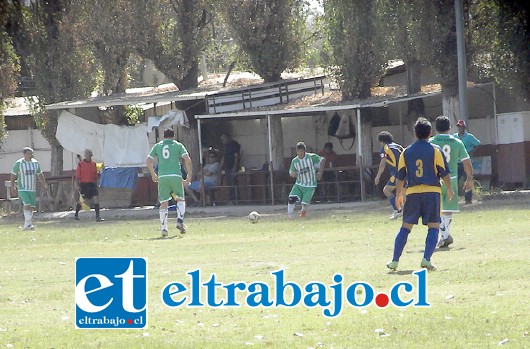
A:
x,y
168,185
28,198
304,194
450,206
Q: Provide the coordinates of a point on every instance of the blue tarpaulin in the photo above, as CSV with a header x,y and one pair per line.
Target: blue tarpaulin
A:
x,y
119,177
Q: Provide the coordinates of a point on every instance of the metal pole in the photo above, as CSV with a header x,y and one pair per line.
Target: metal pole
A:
x,y
461,54
360,152
203,194
271,169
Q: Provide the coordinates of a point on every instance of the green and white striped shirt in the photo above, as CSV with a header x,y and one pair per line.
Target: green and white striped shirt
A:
x,y
305,169
26,172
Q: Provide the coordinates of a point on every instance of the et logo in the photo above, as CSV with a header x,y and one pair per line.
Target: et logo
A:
x,y
110,293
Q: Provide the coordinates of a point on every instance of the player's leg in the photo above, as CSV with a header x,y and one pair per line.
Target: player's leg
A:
x,y
390,191
448,208
411,213
307,195
29,201
294,196
431,203
164,194
178,194
77,199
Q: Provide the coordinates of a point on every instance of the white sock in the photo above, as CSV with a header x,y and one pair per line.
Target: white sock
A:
x,y
28,217
290,209
163,217
181,210
445,225
304,207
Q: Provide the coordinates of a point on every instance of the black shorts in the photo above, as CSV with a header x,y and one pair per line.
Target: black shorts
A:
x,y
88,190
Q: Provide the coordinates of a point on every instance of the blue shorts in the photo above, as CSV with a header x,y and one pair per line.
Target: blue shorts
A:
x,y
196,185
424,205
391,182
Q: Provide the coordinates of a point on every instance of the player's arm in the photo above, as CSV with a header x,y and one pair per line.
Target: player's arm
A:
x,y
189,169
468,168
382,165
151,169
292,170
400,194
42,180
447,182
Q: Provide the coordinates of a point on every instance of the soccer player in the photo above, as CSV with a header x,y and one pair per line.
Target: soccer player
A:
x,y
25,172
390,152
470,142
454,152
169,152
421,164
87,178
304,168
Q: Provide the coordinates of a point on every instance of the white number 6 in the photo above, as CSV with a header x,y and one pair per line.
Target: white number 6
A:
x,y
165,152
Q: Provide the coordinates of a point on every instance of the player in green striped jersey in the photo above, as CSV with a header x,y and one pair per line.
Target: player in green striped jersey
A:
x,y
25,172
304,168
454,152
169,177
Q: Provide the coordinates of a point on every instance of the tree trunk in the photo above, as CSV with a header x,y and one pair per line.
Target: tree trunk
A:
x,y
189,80
56,159
277,144
450,102
416,107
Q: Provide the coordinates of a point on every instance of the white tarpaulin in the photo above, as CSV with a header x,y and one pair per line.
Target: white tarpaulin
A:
x,y
116,146
174,117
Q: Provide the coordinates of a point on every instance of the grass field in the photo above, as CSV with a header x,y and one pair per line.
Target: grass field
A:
x,y
480,294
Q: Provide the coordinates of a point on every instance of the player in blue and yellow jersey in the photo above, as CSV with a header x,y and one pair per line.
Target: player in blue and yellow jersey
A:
x,y
390,153
304,168
169,177
421,164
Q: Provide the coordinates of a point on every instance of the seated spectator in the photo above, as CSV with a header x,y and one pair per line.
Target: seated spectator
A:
x,y
212,176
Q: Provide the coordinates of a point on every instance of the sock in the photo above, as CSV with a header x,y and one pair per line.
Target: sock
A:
x,y
77,209
304,207
290,209
96,207
430,243
28,215
400,242
181,210
445,225
392,202
163,218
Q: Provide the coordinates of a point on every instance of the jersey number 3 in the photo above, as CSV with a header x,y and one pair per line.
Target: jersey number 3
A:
x,y
419,165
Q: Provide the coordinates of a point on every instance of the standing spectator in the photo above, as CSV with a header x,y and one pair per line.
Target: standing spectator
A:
x,y
390,153
168,153
455,153
230,163
25,172
470,142
421,164
86,180
304,168
330,159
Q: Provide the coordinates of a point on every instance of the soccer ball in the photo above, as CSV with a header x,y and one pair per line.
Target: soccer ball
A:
x,y
253,217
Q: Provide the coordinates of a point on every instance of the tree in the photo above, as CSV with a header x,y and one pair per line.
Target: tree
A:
x,y
357,49
271,32
173,37
59,65
500,35
9,62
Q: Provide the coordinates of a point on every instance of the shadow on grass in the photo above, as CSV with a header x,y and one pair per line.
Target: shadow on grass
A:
x,y
401,272
165,238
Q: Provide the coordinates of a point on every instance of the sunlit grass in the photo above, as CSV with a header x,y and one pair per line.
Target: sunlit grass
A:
x,y
479,295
